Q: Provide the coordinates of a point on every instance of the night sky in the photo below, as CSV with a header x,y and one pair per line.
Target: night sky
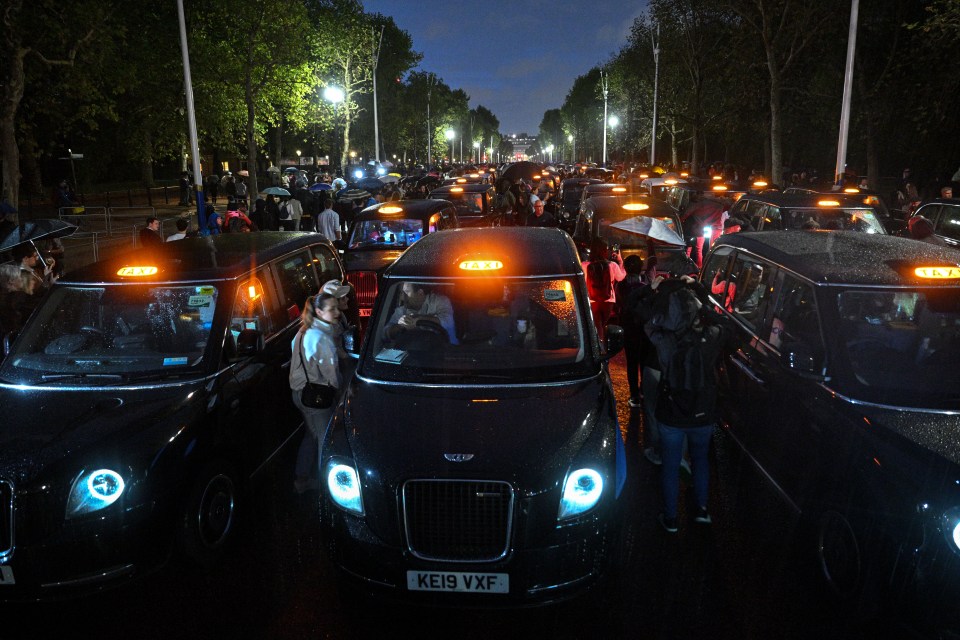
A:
x,y
518,58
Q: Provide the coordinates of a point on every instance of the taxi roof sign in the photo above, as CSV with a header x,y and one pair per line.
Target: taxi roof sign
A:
x,y
481,265
137,272
456,189
828,203
391,209
636,206
619,189
938,273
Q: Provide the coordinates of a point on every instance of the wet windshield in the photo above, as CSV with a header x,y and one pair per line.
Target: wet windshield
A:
x,y
479,331
467,204
902,346
115,330
864,220
386,234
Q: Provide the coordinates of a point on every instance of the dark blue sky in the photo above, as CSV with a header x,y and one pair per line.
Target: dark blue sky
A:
x,y
517,58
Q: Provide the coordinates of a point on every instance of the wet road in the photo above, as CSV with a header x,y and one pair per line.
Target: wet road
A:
x,y
742,577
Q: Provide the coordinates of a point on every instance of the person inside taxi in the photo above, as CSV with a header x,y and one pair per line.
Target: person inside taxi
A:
x,y
420,304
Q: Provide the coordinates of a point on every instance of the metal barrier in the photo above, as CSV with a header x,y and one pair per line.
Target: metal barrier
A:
x,y
70,215
83,238
128,212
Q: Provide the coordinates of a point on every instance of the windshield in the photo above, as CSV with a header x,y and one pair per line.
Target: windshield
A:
x,y
114,330
903,345
467,204
386,234
479,331
864,220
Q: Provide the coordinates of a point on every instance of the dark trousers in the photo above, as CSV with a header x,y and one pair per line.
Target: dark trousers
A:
x,y
601,316
631,349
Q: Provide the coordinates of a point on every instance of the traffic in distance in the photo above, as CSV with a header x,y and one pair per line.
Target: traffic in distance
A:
x,y
470,452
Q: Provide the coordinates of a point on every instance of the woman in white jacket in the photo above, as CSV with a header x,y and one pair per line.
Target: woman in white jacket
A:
x,y
315,357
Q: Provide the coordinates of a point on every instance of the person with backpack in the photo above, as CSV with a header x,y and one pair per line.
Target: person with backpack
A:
x,y
689,337
601,275
633,335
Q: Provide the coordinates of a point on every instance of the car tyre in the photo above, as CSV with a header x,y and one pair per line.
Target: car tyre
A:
x,y
209,514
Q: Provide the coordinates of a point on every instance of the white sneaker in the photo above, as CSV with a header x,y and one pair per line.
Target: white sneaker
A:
x,y
652,456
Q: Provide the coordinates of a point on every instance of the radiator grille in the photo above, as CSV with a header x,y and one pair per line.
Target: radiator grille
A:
x,y
6,518
365,286
458,520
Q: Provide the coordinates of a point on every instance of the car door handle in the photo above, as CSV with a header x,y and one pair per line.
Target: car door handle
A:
x,y
745,368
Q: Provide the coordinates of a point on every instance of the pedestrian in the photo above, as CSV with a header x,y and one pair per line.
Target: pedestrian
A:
x,y
689,337
150,234
732,225
259,215
602,274
16,301
946,191
181,233
315,360
241,187
294,211
920,228
632,331
541,217
273,214
184,183
214,223
37,276
212,188
328,223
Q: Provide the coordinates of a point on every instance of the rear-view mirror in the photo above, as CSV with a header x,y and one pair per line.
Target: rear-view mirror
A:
x,y
799,358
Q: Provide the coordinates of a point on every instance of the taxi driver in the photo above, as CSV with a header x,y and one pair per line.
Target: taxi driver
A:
x,y
420,304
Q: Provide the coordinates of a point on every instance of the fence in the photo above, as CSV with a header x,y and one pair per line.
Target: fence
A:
x,y
77,215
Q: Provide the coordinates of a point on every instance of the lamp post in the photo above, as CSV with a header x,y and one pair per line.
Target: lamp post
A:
x,y
450,135
603,81
333,95
656,78
573,151
613,121
476,145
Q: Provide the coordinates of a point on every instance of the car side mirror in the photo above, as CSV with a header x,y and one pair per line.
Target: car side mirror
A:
x,y
799,358
614,340
249,343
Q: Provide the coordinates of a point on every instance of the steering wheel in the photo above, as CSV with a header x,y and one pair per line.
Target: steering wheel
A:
x,y
433,326
93,333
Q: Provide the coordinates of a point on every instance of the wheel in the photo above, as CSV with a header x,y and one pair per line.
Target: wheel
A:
x,y
209,514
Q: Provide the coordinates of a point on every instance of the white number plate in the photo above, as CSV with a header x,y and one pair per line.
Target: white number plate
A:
x,y
6,575
458,581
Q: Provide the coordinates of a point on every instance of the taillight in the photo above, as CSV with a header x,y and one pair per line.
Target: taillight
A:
x,y
365,287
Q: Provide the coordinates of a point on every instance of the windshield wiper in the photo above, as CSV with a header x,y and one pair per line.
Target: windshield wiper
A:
x,y
56,377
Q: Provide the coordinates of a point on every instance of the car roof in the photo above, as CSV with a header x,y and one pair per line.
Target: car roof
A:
x,y
574,182
421,208
846,257
220,257
806,200
469,187
523,252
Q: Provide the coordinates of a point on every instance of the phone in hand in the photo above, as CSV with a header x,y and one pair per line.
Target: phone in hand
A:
x,y
615,248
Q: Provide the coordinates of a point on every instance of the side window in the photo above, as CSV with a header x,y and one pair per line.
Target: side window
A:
x,y
795,317
739,208
771,218
296,281
755,214
251,308
715,277
949,223
752,283
326,264
434,223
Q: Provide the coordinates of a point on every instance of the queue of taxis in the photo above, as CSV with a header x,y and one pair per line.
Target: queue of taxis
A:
x,y
844,390
140,401
380,234
476,458
569,198
773,210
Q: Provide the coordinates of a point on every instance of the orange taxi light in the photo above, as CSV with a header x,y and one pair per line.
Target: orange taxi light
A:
x,y
717,177
481,265
137,272
760,183
938,273
670,181
474,175
644,176
390,209
619,189
719,187
684,174
456,189
461,180
635,206
828,203
851,190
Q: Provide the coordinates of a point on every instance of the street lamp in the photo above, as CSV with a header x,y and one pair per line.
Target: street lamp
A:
x,y
572,141
613,121
450,135
549,150
476,145
298,157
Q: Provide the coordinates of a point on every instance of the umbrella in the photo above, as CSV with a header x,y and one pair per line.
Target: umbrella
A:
x,y
276,191
320,186
352,193
243,172
428,180
290,170
386,163
273,169
390,178
520,171
655,228
371,184
42,229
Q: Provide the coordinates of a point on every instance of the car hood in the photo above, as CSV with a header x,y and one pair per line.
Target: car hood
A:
x,y
938,433
523,435
42,426
370,259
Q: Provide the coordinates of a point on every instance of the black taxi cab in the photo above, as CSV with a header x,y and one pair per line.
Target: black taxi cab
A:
x,y
379,235
568,200
639,225
844,390
476,458
140,400
601,189
474,202
944,213
771,211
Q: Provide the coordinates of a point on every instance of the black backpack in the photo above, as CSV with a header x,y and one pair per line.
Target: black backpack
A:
x,y
599,286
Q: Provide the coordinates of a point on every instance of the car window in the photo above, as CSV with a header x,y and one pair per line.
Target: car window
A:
x,y
751,281
296,281
948,225
714,277
326,264
795,317
771,218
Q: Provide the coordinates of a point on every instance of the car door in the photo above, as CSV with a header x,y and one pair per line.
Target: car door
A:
x,y
947,224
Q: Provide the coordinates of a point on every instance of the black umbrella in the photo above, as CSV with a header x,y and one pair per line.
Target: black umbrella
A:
x,y
352,194
520,171
428,180
34,230
370,184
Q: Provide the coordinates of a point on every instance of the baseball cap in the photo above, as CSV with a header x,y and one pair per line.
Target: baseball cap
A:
x,y
335,288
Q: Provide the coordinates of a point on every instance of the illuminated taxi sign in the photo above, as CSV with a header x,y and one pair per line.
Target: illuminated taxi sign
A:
x,y
619,189
938,273
828,203
474,175
392,209
644,176
719,187
717,177
481,265
635,206
137,272
759,183
456,189
851,190
670,181
684,174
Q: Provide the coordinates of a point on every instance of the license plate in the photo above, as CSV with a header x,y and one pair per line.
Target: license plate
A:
x,y
366,313
6,575
457,581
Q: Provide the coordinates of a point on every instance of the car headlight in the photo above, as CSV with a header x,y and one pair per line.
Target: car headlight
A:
x,y
581,492
358,174
343,484
94,490
951,527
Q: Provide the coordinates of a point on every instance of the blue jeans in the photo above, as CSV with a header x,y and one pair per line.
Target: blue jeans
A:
x,y
315,424
671,442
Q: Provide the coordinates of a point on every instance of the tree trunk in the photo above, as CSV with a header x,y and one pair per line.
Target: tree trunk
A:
x,y
252,187
12,94
346,119
776,148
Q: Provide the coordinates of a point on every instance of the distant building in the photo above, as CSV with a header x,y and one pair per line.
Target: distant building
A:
x,y
521,144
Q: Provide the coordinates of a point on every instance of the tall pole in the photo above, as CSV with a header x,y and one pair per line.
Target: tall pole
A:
x,y
192,119
603,80
656,78
376,124
429,137
847,91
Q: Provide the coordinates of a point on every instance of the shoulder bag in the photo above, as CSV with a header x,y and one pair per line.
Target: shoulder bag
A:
x,y
314,395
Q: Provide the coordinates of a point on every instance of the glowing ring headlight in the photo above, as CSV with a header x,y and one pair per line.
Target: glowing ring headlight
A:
x,y
950,522
344,486
581,492
94,490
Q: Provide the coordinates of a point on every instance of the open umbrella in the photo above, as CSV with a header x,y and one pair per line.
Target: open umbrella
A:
x,y
371,184
520,171
352,193
276,191
656,228
273,169
428,180
320,186
386,163
290,170
390,178
35,230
